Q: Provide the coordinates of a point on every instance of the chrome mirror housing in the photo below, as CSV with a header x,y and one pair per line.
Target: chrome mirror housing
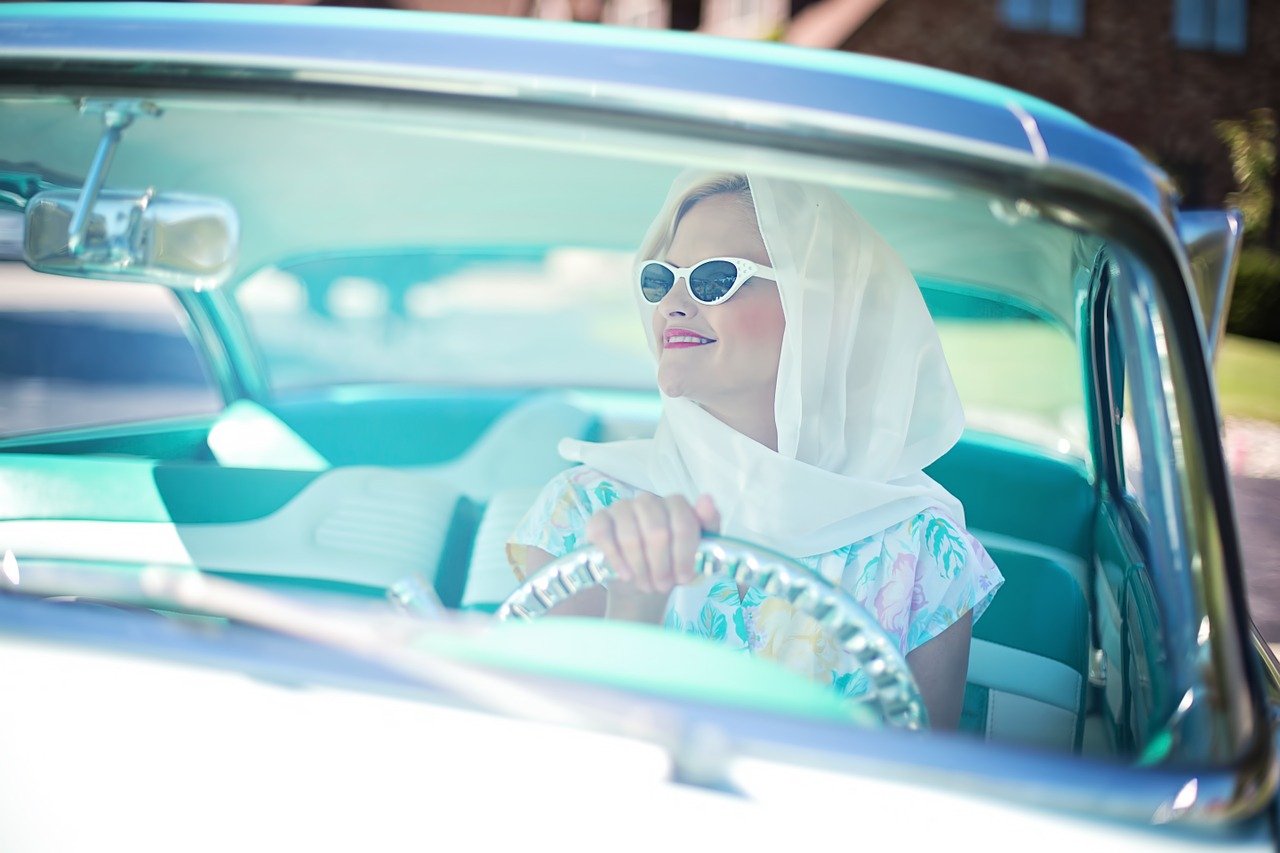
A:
x,y
1212,241
181,241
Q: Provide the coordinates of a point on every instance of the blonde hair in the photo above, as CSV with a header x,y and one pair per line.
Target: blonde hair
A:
x,y
734,185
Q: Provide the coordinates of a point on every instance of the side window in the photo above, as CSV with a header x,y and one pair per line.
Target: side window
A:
x,y
1138,422
1127,437
1131,618
77,353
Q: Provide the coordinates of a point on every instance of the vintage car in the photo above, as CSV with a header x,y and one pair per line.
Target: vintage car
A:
x,y
295,308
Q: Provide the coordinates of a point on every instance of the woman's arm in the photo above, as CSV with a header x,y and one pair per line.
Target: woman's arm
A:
x,y
941,667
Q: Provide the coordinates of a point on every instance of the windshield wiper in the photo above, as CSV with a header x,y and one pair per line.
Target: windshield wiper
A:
x,y
699,749
385,640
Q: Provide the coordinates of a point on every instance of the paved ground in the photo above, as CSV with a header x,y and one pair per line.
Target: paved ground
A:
x,y
1258,513
1253,452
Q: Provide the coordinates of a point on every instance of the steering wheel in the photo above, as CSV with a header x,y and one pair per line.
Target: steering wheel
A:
x,y
893,692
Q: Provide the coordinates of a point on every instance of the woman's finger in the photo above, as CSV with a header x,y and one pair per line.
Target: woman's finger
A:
x,y
601,533
655,539
708,514
626,531
686,532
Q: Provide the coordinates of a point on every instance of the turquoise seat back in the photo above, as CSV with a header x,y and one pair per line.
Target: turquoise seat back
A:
x,y
1029,660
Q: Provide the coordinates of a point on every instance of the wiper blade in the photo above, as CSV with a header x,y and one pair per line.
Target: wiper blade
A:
x,y
387,641
699,750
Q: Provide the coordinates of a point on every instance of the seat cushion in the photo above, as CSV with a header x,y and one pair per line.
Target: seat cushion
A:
x,y
1015,696
489,577
1028,663
359,525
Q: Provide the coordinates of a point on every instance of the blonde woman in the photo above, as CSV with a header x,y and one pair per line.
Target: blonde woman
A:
x,y
804,391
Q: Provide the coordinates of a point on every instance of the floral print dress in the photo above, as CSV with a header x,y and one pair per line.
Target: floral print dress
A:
x,y
917,578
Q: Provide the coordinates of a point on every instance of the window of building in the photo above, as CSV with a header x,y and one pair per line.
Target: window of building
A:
x,y
1217,25
1061,17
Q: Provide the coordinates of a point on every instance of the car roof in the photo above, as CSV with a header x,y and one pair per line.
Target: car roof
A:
x,y
651,71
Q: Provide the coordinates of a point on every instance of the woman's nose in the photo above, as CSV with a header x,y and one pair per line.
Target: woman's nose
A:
x,y
676,303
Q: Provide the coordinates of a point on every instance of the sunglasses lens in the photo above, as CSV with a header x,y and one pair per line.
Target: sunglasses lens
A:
x,y
655,282
712,280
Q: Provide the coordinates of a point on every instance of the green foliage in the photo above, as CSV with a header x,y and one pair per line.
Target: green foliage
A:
x,y
1255,302
1251,143
1248,374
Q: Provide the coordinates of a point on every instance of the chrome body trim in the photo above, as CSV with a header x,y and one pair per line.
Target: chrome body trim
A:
x,y
1202,542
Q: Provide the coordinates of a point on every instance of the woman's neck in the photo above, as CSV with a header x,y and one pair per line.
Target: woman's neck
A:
x,y
754,419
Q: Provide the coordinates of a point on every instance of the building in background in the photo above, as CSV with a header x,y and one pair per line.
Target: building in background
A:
x,y
1158,73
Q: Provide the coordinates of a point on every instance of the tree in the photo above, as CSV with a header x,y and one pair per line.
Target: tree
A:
x,y
1251,144
1255,301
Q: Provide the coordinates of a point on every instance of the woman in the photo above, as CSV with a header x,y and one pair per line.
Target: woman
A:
x,y
804,390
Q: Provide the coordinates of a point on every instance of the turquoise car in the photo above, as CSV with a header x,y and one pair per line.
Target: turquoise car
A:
x,y
295,308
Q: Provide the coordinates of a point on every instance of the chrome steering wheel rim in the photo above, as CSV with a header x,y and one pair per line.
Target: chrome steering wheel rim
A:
x,y
892,690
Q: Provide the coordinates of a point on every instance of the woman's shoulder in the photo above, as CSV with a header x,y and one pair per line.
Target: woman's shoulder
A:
x,y
555,521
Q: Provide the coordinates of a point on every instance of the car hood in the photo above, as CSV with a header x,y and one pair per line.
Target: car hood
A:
x,y
107,751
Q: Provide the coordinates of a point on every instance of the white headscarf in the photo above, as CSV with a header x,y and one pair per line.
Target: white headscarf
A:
x,y
864,398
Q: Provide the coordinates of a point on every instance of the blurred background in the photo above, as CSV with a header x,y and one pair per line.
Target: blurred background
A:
x,y
1193,84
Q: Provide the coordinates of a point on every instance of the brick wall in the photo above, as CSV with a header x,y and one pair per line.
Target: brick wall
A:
x,y
1123,75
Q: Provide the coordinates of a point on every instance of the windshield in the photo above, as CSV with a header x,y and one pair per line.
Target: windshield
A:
x,y
452,336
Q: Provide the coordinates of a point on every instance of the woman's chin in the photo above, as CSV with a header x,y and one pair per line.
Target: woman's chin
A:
x,y
672,384
670,389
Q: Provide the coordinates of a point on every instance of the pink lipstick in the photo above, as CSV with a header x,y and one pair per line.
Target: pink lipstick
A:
x,y
683,339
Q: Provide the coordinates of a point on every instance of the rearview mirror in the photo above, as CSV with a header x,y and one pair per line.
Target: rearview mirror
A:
x,y
180,241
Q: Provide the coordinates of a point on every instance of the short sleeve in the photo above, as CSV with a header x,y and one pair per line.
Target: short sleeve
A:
x,y
558,517
954,575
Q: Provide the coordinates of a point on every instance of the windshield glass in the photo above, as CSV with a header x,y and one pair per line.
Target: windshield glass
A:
x,y
466,333
500,260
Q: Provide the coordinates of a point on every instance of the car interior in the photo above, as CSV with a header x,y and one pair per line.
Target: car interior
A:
x,y
278,493
356,486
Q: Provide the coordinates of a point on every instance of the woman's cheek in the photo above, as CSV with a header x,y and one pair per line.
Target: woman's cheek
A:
x,y
760,321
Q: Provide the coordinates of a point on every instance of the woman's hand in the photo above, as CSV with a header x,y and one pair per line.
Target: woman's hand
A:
x,y
650,541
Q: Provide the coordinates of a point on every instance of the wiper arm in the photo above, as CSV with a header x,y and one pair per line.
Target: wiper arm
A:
x,y
386,641
389,642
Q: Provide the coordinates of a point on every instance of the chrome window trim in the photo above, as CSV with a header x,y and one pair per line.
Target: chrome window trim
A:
x,y
1192,500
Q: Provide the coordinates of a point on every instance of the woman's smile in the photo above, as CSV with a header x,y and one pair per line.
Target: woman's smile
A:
x,y
682,338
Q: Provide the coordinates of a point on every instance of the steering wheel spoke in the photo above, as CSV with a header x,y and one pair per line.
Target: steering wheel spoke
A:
x,y
891,688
